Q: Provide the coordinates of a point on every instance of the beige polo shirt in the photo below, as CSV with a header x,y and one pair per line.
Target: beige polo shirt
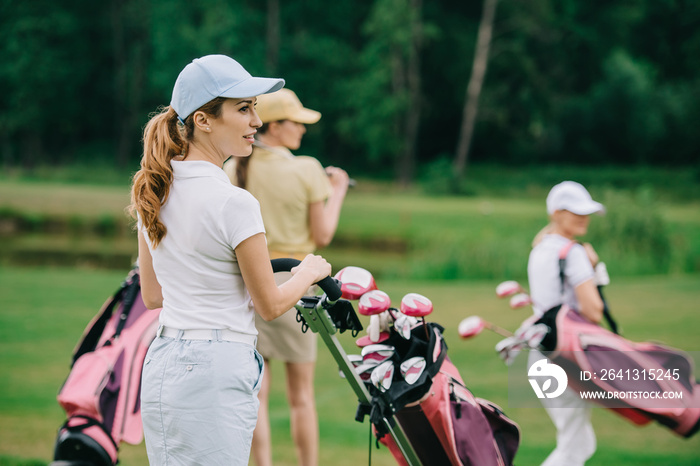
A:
x,y
285,185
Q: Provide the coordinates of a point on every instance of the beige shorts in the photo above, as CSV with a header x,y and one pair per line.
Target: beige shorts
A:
x,y
282,338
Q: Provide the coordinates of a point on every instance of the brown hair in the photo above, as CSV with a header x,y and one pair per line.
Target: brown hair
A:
x,y
163,139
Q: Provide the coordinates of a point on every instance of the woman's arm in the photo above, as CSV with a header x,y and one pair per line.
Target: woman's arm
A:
x,y
590,302
324,216
151,292
270,300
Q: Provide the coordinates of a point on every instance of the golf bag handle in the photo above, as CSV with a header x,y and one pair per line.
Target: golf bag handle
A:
x,y
328,284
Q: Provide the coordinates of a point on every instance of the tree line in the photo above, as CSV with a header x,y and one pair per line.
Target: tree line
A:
x,y
550,81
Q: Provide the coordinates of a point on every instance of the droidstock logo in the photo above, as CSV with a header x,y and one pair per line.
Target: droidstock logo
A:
x,y
546,371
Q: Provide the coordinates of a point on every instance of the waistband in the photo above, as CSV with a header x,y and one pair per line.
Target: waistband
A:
x,y
294,255
222,334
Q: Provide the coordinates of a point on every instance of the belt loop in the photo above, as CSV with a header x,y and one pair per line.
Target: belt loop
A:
x,y
159,331
216,334
180,333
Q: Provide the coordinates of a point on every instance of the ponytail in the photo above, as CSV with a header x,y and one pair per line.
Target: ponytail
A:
x,y
163,139
549,228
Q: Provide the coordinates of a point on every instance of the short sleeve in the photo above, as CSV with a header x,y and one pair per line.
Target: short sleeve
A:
x,y
578,266
318,187
241,218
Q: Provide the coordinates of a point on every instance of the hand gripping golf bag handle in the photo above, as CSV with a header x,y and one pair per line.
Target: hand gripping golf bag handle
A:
x,y
328,284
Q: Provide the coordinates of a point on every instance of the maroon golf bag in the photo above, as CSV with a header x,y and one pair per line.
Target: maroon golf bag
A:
x,y
618,368
101,394
443,421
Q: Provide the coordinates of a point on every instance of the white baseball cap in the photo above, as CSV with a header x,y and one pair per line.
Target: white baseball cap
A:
x,y
572,196
213,76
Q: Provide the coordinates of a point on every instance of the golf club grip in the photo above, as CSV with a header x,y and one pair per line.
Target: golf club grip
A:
x,y
328,285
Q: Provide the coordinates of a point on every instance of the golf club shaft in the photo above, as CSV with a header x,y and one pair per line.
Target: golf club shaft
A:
x,y
496,329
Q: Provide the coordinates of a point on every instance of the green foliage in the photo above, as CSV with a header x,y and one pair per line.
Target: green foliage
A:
x,y
633,236
568,81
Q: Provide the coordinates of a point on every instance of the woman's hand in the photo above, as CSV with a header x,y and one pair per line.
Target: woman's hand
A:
x,y
592,255
338,177
316,265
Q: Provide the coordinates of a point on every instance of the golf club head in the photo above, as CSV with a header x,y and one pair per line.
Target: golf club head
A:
x,y
520,300
509,348
403,325
377,353
364,371
383,375
416,305
534,335
411,369
508,288
355,360
471,326
373,302
355,281
366,340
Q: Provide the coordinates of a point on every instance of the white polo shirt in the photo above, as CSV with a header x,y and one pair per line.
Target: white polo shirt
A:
x,y
206,218
543,273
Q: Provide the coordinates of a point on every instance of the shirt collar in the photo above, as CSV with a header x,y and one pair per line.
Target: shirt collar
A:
x,y
183,169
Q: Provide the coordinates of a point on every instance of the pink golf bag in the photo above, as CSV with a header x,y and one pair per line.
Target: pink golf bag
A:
x,y
443,421
616,367
101,394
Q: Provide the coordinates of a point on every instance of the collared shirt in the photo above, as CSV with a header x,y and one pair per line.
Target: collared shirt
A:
x,y
285,185
206,219
543,273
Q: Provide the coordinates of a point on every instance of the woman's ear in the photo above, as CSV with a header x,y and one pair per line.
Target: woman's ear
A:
x,y
201,121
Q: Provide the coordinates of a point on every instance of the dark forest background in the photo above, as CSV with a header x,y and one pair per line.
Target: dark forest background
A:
x,y
585,82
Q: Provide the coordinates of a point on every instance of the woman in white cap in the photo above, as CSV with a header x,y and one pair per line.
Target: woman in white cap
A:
x,y
300,203
569,206
203,258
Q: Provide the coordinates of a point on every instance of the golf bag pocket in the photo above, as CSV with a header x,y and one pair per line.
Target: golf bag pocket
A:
x,y
87,389
452,427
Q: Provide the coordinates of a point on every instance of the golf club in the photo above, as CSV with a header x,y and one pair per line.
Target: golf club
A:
x,y
474,325
377,353
355,360
508,288
382,376
411,369
417,305
520,300
355,281
373,302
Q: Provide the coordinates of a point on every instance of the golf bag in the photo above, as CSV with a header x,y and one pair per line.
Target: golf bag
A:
x,y
444,422
101,394
579,345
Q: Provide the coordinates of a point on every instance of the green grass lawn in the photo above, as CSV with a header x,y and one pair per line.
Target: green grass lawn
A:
x,y
44,310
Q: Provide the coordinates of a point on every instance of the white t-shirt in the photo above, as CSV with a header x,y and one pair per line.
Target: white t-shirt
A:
x,y
206,218
543,273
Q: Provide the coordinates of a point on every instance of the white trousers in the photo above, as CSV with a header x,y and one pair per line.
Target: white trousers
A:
x,y
571,416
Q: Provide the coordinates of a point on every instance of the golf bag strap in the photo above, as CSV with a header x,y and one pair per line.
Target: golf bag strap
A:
x,y
127,291
130,294
562,266
89,422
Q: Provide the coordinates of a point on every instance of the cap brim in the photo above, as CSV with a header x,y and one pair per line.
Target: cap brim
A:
x,y
305,116
253,86
588,208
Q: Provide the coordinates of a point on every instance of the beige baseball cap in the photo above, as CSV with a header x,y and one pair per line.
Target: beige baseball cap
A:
x,y
284,105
